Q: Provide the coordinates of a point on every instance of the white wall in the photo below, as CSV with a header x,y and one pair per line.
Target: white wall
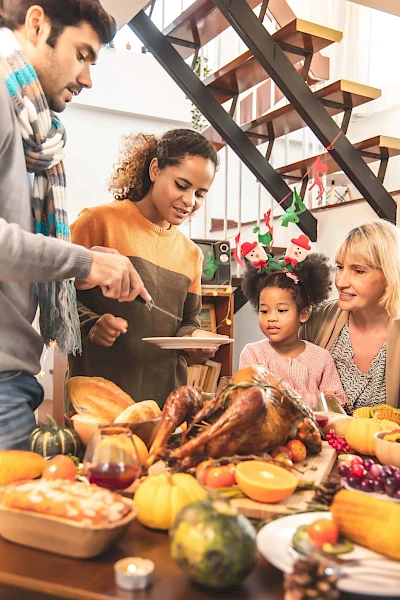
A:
x,y
131,93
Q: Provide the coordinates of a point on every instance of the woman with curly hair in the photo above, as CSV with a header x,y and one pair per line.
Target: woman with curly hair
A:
x,y
362,328
157,185
283,301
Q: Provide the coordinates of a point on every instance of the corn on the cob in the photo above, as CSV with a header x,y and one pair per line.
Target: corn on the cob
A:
x,y
368,521
387,412
20,464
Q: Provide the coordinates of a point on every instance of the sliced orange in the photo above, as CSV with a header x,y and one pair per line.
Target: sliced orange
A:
x,y
264,482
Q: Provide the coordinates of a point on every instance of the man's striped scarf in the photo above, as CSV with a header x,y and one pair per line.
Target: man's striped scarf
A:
x,y
43,138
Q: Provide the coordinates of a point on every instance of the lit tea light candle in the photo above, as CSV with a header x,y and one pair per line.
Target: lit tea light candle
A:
x,y
134,573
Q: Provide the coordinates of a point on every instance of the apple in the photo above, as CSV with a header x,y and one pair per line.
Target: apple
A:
x,y
281,450
298,450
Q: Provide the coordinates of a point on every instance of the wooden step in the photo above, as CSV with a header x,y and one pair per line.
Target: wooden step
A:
x,y
198,25
336,97
244,72
380,147
201,22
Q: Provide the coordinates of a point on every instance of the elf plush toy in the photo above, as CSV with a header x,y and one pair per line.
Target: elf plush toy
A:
x,y
255,254
297,250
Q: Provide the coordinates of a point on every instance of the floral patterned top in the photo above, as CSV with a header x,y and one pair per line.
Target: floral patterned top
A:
x,y
362,389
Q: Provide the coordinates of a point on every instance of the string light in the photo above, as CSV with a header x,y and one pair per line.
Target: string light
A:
x,y
41,374
228,290
228,321
215,293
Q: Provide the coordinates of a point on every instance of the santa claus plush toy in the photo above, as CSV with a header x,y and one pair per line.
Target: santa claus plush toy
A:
x,y
297,250
255,254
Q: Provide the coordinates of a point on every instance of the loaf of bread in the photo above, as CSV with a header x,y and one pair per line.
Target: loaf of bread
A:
x,y
139,412
97,396
88,504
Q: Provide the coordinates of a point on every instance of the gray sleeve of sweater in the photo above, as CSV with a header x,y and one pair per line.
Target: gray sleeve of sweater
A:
x,y
35,258
25,256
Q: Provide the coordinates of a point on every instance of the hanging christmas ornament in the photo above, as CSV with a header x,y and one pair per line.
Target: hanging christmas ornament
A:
x,y
319,168
211,264
295,209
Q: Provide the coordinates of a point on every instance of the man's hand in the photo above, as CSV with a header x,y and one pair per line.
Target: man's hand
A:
x,y
107,329
116,276
200,355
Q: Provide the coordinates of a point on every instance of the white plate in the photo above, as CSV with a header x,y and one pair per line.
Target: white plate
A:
x,y
181,343
275,539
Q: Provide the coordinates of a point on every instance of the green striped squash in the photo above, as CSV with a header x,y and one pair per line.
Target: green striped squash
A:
x,y
50,440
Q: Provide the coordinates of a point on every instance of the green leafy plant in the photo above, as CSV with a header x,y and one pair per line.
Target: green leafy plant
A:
x,y
201,69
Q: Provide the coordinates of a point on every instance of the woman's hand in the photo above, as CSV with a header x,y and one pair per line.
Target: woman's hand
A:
x,y
107,329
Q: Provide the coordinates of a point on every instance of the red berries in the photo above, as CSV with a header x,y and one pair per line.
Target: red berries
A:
x,y
337,442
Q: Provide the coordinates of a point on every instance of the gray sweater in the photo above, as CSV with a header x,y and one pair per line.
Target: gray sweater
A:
x,y
25,258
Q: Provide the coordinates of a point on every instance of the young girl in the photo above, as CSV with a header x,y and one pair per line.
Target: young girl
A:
x,y
283,301
158,184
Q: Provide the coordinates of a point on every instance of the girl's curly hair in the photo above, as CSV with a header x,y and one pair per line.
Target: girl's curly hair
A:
x,y
131,179
312,289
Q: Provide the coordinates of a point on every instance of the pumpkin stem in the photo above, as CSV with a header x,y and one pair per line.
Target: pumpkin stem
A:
x,y
52,422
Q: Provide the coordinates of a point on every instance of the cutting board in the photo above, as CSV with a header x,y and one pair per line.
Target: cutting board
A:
x,y
315,468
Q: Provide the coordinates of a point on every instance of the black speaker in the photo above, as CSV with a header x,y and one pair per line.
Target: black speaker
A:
x,y
221,250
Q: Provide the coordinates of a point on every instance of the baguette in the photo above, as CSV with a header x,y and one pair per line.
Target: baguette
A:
x,y
97,396
88,504
147,410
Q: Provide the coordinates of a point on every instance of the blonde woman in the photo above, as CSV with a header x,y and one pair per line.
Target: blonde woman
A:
x,y
362,328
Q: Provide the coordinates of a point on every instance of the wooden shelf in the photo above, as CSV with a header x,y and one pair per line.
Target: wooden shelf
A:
x,y
376,148
244,72
223,309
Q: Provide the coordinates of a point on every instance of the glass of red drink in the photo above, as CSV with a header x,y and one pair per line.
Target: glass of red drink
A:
x,y
111,459
316,401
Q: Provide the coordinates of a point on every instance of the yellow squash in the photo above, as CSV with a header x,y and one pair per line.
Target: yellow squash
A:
x,y
368,521
160,497
16,465
360,433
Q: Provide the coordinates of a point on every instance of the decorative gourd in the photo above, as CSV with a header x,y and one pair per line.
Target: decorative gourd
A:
x,y
141,448
360,433
362,412
160,497
20,464
50,440
339,423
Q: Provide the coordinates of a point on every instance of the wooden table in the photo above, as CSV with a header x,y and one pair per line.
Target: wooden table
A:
x,y
27,574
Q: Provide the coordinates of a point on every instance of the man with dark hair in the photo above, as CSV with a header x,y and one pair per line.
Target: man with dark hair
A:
x,y
46,50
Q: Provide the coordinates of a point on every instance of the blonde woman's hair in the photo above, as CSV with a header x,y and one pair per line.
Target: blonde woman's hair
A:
x,y
377,245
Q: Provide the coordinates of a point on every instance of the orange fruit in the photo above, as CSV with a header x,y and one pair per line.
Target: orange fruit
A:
x,y
264,482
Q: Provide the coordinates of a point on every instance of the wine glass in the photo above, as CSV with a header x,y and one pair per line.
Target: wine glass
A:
x,y
316,401
223,381
111,459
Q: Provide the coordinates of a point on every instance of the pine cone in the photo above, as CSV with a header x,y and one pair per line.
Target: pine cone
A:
x,y
308,581
326,491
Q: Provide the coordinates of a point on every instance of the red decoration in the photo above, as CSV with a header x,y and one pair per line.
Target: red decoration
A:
x,y
319,169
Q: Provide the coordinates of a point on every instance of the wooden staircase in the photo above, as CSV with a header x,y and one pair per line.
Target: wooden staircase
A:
x,y
290,58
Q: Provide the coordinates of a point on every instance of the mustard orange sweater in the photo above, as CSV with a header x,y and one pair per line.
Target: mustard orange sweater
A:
x,y
170,266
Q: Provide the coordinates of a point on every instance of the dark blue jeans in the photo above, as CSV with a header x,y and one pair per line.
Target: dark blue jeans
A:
x,y
20,395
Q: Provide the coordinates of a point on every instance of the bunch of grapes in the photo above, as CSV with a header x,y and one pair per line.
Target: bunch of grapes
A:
x,y
337,442
368,476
